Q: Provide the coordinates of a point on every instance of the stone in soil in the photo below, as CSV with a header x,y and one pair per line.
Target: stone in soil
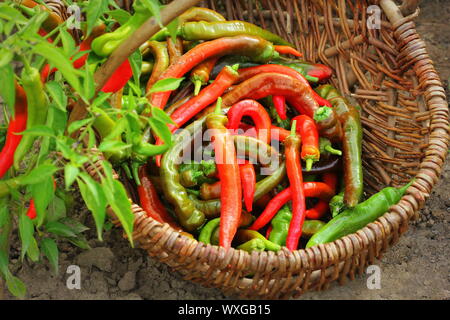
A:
x,y
101,258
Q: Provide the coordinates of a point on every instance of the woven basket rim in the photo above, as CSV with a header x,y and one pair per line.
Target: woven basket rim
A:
x,y
318,257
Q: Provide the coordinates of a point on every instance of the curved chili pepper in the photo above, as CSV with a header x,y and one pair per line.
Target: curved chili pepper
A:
x,y
209,191
247,73
288,50
150,201
314,72
17,124
201,73
311,190
307,129
161,55
255,47
279,103
352,220
248,181
37,105
256,111
119,78
352,145
174,49
227,165
250,240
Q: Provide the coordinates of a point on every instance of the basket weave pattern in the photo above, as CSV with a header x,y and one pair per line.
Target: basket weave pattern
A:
x,y
406,134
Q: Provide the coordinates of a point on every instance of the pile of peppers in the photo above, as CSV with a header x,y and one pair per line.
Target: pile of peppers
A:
x,y
284,165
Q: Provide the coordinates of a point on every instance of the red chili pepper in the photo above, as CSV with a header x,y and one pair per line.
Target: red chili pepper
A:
x,y
31,212
307,129
17,124
150,201
279,103
243,44
207,96
250,72
269,230
323,206
228,168
119,78
201,73
248,181
280,133
258,114
311,190
288,50
295,176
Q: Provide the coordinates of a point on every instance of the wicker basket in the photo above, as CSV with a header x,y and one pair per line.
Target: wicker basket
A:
x,y
406,134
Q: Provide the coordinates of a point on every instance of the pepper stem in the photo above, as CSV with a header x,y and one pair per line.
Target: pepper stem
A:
x,y
322,114
311,78
331,150
198,86
126,169
309,164
294,128
135,172
218,109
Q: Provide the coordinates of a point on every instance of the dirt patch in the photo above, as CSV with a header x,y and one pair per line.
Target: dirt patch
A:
x,y
416,268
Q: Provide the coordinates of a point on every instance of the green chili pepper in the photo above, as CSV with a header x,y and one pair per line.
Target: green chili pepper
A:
x,y
352,144
253,245
352,220
280,226
107,43
311,227
37,105
337,204
207,230
244,235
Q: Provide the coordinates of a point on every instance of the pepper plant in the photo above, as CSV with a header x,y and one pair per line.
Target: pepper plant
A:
x,y
43,160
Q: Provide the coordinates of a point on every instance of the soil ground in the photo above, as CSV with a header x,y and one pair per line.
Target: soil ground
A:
x,y
416,268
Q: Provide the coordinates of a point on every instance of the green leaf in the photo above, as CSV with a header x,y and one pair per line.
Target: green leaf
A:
x,y
4,212
95,199
91,139
70,174
31,28
50,250
57,119
160,115
112,146
68,43
39,174
16,287
101,98
121,16
136,65
118,200
43,193
88,82
9,13
154,7
94,11
56,210
4,262
76,125
26,231
75,225
172,28
6,56
57,93
161,130
7,89
59,229
40,131
80,241
56,58
168,84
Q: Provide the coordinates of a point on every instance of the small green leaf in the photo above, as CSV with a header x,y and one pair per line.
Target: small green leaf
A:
x,y
26,231
33,250
39,130
121,16
70,174
94,11
88,82
75,225
50,250
16,287
76,125
7,89
161,130
168,84
43,193
101,98
154,7
172,28
59,229
9,13
5,57
57,93
112,146
95,199
136,65
80,241
160,115
56,210
38,174
68,43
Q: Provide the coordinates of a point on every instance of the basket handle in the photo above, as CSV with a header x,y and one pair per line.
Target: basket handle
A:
x,y
409,6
